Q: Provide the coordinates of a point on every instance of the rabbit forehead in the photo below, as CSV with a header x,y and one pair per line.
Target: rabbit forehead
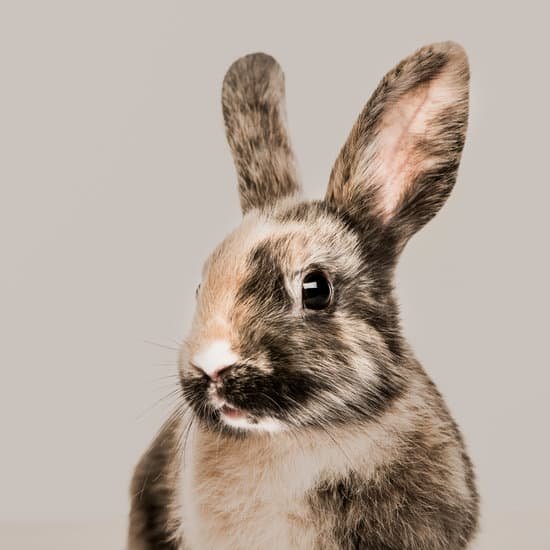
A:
x,y
295,241
293,238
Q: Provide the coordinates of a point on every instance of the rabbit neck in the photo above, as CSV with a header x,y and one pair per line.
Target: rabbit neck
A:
x,y
258,487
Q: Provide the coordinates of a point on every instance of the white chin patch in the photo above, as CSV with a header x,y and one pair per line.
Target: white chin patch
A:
x,y
261,425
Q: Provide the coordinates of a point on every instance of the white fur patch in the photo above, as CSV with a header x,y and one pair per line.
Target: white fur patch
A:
x,y
214,357
266,424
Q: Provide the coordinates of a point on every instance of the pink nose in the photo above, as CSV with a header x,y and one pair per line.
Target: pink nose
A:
x,y
213,374
214,357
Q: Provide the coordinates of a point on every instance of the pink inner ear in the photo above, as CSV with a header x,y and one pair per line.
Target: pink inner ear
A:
x,y
396,160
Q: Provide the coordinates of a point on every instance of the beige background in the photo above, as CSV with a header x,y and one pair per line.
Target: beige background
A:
x,y
116,182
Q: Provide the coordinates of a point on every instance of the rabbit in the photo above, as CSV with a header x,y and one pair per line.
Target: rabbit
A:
x,y
305,420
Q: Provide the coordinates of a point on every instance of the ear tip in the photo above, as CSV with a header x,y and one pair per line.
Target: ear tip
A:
x,y
258,66
449,46
255,59
261,58
456,55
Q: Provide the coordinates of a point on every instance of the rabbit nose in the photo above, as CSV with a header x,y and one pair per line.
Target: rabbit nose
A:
x,y
214,358
214,375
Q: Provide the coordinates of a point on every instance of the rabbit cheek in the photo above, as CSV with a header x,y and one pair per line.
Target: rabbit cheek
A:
x,y
249,389
195,392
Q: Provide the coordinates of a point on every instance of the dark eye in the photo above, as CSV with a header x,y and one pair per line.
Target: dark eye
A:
x,y
316,291
197,290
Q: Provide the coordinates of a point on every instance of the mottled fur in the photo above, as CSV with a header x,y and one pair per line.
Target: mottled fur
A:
x,y
154,522
343,442
255,120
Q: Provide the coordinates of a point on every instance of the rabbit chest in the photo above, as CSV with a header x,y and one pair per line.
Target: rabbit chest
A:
x,y
252,494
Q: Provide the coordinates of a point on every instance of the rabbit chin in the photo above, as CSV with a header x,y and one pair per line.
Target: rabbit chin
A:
x,y
244,423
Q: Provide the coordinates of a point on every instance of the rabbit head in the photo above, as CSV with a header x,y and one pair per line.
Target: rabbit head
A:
x,y
295,321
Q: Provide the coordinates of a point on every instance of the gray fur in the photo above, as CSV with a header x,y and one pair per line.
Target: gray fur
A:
x,y
363,452
253,101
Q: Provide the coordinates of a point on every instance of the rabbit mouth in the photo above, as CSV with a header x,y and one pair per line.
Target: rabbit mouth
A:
x,y
231,412
236,418
243,401
226,409
233,416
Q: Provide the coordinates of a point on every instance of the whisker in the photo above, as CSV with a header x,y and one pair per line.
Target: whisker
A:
x,y
173,392
163,346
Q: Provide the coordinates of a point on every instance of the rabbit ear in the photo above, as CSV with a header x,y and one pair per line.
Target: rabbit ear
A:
x,y
253,101
400,161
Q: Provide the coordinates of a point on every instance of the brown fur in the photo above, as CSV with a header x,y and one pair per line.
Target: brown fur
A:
x,y
342,442
253,99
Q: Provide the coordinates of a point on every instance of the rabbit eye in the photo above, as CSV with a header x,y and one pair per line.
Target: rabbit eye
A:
x,y
316,291
197,290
